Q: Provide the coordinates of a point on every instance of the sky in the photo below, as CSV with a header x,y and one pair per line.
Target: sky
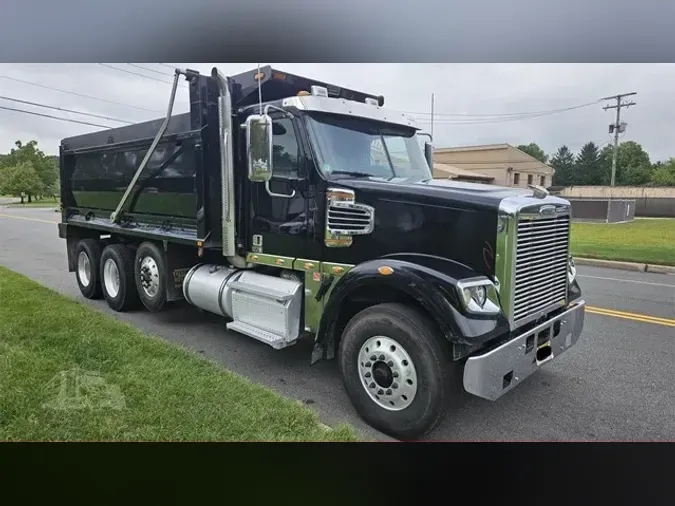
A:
x,y
472,102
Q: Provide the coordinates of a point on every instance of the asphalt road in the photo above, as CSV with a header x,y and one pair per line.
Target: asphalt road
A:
x,y
618,383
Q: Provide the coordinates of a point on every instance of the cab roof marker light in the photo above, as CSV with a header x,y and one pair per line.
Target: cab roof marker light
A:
x,y
372,101
319,91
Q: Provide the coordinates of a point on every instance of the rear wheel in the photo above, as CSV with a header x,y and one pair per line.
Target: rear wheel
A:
x,y
117,277
88,257
150,276
396,370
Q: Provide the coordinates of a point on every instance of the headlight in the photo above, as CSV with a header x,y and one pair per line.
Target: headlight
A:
x,y
479,295
571,270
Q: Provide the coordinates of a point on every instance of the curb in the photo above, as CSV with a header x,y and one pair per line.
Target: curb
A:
x,y
661,269
626,266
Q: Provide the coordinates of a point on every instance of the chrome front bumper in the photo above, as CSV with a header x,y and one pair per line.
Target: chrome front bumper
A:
x,y
494,373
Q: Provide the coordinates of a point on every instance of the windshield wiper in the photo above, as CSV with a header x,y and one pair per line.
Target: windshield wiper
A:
x,y
354,173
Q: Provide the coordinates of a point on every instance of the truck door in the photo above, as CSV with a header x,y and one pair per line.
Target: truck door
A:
x,y
279,211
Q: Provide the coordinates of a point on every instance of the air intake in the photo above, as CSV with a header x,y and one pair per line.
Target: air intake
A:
x,y
346,218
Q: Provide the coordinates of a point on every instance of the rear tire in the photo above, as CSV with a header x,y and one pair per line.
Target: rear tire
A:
x,y
117,277
150,276
87,260
396,370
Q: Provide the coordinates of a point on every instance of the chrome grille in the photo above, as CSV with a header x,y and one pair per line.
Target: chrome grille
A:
x,y
541,264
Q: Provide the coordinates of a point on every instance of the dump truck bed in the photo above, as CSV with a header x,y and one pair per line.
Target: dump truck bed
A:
x,y
178,195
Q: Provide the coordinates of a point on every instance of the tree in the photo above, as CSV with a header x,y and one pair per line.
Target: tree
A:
x,y
19,180
563,163
633,167
45,166
664,173
534,150
587,167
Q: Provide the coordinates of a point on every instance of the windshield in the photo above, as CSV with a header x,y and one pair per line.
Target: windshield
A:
x,y
359,147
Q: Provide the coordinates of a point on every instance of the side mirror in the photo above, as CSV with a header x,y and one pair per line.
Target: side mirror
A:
x,y
429,155
259,141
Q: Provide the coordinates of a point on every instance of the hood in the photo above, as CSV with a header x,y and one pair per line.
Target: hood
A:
x,y
436,191
457,221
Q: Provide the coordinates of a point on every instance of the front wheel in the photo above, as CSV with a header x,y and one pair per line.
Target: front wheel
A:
x,y
396,370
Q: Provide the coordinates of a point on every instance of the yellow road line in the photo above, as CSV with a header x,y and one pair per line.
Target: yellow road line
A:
x,y
624,313
29,219
631,316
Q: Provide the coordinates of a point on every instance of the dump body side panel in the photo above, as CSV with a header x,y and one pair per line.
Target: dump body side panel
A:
x,y
177,196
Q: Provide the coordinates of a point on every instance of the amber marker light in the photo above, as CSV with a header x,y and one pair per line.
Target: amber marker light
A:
x,y
385,270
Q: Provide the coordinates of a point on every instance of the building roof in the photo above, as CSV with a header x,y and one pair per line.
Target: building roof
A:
x,y
489,157
442,170
478,147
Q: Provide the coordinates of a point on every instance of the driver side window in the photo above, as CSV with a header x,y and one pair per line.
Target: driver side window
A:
x,y
285,149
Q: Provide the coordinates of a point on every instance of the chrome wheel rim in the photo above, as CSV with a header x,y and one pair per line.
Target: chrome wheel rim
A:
x,y
149,277
387,373
111,278
84,268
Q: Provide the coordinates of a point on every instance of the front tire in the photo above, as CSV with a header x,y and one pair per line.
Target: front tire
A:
x,y
150,276
396,370
117,277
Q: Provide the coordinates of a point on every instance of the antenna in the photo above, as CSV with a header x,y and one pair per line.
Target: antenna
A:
x,y
432,115
259,91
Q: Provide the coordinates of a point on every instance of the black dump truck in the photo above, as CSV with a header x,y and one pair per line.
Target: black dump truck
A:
x,y
297,209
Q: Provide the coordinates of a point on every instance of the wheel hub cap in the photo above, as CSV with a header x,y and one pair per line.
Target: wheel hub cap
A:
x,y
83,268
149,277
383,375
111,278
387,373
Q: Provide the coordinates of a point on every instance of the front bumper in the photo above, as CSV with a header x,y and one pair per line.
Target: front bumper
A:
x,y
494,373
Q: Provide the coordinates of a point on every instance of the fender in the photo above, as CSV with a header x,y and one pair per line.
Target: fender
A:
x,y
431,281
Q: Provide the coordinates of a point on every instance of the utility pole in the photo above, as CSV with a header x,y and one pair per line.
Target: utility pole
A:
x,y
432,117
617,127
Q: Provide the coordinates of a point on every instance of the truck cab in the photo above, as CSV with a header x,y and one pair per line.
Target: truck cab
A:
x,y
303,210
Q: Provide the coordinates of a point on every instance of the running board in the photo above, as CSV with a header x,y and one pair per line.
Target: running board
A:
x,y
275,341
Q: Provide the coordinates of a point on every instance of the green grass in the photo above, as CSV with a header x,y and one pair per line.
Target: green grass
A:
x,y
643,240
132,386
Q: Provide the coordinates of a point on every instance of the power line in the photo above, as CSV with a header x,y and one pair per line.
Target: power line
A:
x,y
36,104
134,73
548,111
75,93
448,118
52,117
138,74
149,70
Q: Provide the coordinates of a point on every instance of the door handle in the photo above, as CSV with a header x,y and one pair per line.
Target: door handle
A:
x,y
281,195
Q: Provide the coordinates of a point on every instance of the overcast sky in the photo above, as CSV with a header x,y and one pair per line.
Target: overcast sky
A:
x,y
469,99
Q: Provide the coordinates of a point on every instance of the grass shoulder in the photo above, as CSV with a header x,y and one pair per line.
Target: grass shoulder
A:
x,y
642,240
70,372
